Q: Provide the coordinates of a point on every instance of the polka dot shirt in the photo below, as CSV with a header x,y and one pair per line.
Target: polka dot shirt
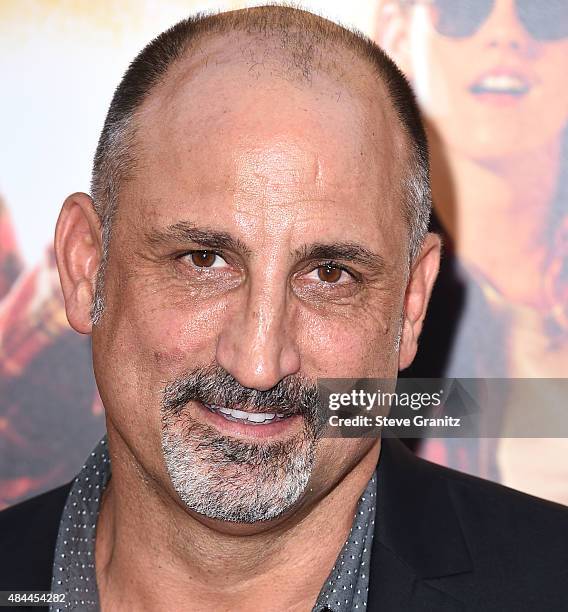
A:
x,y
347,585
74,564
345,589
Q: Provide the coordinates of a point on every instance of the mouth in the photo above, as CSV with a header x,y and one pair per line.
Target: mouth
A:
x,y
501,84
249,418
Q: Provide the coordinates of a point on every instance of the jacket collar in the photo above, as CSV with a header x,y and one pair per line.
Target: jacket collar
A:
x,y
417,534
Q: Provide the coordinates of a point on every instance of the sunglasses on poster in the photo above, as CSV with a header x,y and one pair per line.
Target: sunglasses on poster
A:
x,y
544,21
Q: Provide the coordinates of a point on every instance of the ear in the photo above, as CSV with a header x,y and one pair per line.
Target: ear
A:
x,y
418,291
78,251
392,33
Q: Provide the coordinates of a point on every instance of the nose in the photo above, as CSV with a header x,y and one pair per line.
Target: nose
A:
x,y
503,28
257,344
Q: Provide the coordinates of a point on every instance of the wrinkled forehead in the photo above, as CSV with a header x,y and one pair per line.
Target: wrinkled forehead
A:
x,y
239,101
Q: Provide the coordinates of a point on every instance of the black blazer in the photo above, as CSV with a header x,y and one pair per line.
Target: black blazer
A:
x,y
443,541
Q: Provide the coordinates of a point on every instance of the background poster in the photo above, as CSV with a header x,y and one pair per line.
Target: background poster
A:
x,y
490,78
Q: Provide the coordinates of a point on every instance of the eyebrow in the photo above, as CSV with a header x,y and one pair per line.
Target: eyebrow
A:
x,y
347,251
185,231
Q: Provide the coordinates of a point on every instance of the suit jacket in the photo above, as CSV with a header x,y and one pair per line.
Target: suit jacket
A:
x,y
444,541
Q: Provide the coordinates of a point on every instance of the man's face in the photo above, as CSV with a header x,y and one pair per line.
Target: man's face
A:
x,y
483,91
259,246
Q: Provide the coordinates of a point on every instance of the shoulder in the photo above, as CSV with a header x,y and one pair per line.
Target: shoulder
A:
x,y
28,533
482,503
475,540
514,539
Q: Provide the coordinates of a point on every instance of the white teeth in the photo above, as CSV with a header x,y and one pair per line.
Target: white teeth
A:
x,y
257,418
260,418
503,83
239,414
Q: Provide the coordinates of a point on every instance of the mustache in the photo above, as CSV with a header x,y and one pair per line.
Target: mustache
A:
x,y
294,395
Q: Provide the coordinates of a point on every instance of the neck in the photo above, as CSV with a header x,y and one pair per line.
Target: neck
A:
x,y
182,558
496,213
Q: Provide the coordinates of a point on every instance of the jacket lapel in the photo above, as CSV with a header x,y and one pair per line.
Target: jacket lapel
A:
x,y
417,538
395,587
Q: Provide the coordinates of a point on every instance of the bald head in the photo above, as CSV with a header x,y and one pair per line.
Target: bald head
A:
x,y
227,62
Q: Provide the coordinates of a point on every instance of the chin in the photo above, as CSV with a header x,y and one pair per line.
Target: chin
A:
x,y
227,480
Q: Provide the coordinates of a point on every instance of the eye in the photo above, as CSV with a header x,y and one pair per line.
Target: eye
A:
x,y
206,259
330,273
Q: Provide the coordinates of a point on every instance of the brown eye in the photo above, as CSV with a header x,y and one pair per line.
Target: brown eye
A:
x,y
329,274
204,259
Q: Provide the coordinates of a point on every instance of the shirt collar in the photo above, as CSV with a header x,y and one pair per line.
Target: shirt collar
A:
x,y
74,573
347,585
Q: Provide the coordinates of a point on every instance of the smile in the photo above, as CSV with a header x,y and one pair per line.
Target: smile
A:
x,y
239,416
512,85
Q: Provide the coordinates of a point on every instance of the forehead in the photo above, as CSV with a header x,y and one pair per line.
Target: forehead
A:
x,y
235,120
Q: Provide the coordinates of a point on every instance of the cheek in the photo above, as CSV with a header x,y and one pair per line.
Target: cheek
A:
x,y
159,333
438,74
348,347
178,339
553,90
174,340
144,342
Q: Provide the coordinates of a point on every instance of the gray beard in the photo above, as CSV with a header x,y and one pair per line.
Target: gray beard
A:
x,y
230,480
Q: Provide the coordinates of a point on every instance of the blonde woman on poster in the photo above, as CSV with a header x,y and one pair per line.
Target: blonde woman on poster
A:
x,y
490,78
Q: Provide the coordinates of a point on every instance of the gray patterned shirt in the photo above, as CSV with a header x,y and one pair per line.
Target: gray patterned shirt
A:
x,y
345,589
